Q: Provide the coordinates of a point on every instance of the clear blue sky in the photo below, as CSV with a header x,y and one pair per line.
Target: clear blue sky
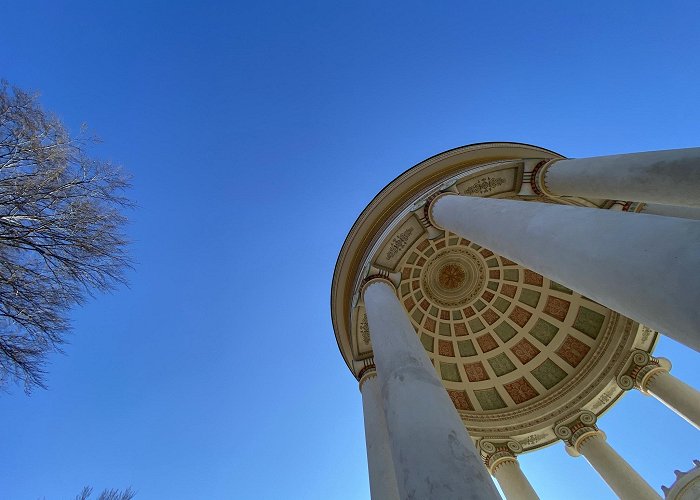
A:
x,y
256,133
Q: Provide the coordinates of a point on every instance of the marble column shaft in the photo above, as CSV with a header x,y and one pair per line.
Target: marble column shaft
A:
x,y
433,455
671,211
615,471
643,266
513,482
676,394
382,479
669,177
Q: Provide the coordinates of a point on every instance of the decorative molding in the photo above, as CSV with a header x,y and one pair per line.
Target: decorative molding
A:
x,y
393,248
433,232
369,371
577,430
497,182
532,439
621,206
639,369
646,333
376,274
428,208
526,177
484,186
364,330
361,338
496,452
398,242
538,180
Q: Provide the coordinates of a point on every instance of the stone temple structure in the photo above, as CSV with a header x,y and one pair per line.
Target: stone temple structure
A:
x,y
495,299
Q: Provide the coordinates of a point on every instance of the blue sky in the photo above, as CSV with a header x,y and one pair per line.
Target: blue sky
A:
x,y
256,133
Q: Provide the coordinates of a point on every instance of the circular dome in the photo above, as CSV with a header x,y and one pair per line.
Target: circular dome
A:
x,y
508,343
516,351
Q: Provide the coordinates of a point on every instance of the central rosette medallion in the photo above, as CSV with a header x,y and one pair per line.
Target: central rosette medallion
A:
x,y
453,276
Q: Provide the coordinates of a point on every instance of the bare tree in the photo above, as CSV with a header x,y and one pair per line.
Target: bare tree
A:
x,y
61,233
127,494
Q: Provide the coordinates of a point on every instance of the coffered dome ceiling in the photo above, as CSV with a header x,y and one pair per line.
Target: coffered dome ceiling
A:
x,y
516,351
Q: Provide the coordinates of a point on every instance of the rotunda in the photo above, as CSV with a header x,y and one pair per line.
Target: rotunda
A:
x,y
492,300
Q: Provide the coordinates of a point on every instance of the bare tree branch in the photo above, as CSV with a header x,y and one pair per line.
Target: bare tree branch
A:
x,y
61,233
112,494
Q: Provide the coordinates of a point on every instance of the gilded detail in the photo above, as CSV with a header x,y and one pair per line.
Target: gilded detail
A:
x,y
399,242
451,276
364,330
484,186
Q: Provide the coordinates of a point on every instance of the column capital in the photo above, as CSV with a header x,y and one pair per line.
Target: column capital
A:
x,y
375,279
621,206
428,208
367,372
639,369
496,452
421,214
379,273
538,178
576,430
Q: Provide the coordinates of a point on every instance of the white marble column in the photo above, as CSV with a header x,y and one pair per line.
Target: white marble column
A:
x,y
583,438
676,394
513,482
502,463
671,211
432,452
614,470
382,479
651,376
642,266
669,177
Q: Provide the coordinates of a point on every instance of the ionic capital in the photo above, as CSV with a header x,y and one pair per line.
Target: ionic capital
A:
x,y
538,180
639,369
376,275
576,430
496,452
621,206
428,209
367,372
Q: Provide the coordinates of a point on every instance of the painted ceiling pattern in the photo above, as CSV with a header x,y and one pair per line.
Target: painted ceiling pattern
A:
x,y
499,335
516,351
